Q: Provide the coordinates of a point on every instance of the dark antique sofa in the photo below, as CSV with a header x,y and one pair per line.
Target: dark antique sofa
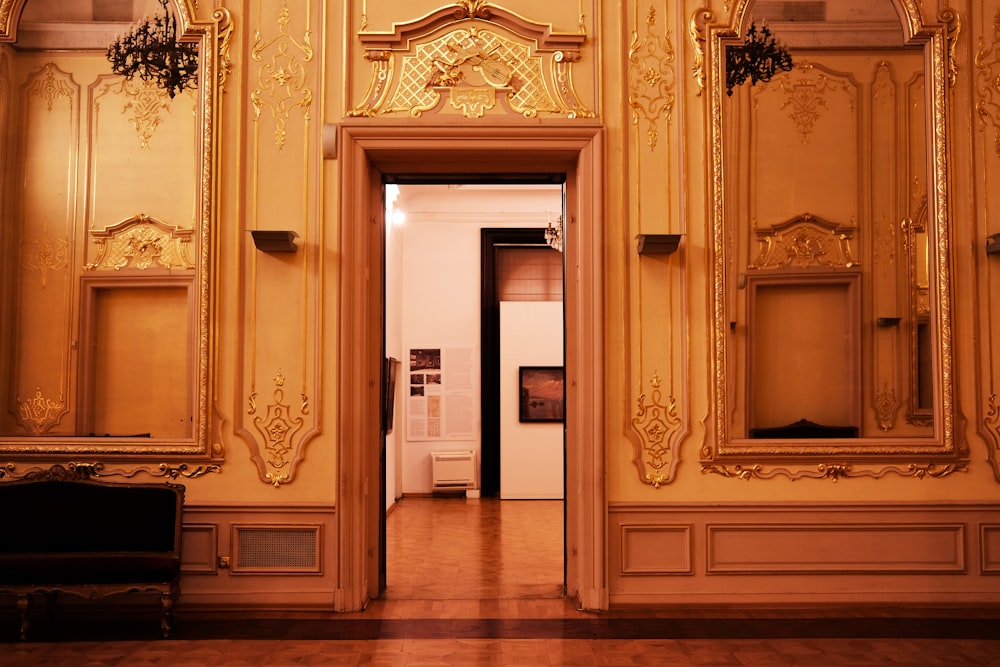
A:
x,y
64,532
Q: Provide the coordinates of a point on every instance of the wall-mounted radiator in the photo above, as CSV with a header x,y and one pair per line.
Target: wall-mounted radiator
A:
x,y
453,470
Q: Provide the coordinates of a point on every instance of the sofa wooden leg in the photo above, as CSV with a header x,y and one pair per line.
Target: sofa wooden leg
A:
x,y
24,605
166,614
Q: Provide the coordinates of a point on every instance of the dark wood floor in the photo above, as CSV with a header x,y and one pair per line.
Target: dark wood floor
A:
x,y
479,582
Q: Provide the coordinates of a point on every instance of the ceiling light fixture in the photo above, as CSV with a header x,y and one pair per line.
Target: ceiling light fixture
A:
x,y
759,58
152,52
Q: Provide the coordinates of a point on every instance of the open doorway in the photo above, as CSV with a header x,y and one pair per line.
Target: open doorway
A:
x,y
473,306
367,151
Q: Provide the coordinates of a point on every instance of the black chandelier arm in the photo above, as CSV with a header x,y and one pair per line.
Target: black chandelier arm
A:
x,y
759,58
152,52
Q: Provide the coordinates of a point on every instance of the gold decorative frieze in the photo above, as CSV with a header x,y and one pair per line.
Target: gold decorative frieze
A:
x,y
651,78
472,55
43,254
141,242
38,414
832,471
97,469
281,76
656,423
280,452
987,82
805,241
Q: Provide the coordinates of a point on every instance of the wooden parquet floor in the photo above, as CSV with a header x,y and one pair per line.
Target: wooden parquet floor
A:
x,y
479,582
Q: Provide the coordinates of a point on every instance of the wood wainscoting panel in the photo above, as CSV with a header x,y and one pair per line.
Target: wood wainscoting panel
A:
x,y
264,556
199,548
989,553
831,548
821,554
655,549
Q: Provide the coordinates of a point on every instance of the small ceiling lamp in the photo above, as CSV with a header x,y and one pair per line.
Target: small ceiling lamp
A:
x,y
554,234
152,52
759,58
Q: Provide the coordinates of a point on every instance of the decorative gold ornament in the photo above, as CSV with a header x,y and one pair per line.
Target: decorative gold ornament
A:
x,y
886,405
991,425
805,241
473,55
281,77
987,83
39,414
145,102
280,452
141,242
651,78
656,423
43,254
49,88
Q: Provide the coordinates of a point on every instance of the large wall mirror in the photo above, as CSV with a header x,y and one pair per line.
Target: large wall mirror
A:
x,y
830,241
106,224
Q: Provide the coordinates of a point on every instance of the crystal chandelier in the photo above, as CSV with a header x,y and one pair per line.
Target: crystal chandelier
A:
x,y
554,235
757,59
152,52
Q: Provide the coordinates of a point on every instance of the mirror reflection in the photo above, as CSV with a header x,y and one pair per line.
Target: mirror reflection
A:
x,y
828,318
102,207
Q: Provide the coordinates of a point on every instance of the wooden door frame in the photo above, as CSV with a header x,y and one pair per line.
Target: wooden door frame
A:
x,y
367,150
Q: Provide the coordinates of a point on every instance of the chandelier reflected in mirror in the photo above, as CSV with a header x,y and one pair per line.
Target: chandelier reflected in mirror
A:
x,y
759,58
152,52
554,234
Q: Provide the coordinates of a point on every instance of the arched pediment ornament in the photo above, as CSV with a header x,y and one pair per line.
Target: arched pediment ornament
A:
x,y
805,241
470,57
142,242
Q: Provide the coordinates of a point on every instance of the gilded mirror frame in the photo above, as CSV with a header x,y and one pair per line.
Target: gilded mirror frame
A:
x,y
171,457
937,455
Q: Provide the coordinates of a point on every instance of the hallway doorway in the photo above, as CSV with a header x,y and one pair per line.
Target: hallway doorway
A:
x,y
473,295
370,150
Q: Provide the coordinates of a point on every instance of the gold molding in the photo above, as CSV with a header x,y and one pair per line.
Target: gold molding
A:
x,y
96,469
656,424
832,471
466,54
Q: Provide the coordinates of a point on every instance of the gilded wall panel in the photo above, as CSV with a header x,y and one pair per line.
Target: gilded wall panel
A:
x,y
652,206
46,223
280,370
986,172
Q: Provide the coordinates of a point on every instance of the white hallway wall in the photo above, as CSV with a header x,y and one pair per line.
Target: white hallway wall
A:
x,y
439,290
